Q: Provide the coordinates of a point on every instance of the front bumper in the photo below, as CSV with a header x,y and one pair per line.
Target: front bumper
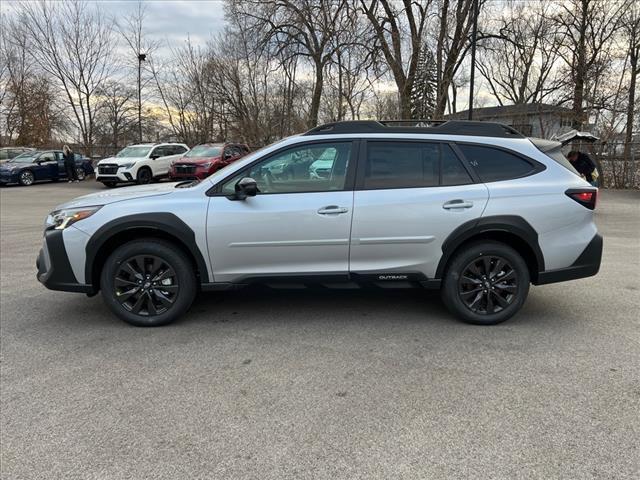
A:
x,y
586,265
199,174
9,178
121,176
54,269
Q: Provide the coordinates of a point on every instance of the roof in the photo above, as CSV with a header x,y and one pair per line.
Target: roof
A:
x,y
449,127
511,110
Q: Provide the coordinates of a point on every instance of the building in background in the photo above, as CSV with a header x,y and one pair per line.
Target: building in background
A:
x,y
532,119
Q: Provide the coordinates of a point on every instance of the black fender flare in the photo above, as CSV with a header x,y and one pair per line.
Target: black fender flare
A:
x,y
512,224
165,222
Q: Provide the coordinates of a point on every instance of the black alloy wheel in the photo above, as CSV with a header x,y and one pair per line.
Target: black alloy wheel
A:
x,y
146,285
144,176
488,285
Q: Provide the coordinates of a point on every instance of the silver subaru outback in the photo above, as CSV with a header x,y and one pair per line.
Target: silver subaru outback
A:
x,y
473,209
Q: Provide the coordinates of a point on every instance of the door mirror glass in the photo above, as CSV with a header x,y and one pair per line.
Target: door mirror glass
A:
x,y
246,187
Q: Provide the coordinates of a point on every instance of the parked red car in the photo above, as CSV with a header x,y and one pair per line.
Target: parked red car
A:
x,y
205,159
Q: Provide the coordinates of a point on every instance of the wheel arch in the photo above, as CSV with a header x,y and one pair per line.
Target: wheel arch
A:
x,y
163,226
511,230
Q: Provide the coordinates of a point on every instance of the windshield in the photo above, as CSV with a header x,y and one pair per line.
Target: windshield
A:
x,y
23,158
205,151
131,152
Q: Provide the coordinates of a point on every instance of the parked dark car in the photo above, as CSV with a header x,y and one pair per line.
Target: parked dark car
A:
x,y
37,166
206,159
7,153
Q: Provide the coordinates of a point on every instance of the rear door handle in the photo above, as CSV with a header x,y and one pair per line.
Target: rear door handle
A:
x,y
452,204
332,210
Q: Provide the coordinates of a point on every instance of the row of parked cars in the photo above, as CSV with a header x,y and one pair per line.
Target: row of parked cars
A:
x,y
148,162
141,164
30,166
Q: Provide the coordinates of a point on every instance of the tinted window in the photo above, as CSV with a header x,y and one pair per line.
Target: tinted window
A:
x,y
401,165
177,149
160,152
297,169
205,151
131,152
453,172
493,164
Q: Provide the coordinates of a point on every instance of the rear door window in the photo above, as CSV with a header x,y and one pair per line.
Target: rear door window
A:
x,y
453,172
401,165
493,164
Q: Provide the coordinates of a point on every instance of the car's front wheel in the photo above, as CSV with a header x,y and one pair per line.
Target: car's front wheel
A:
x,y
80,173
486,283
144,176
26,178
148,283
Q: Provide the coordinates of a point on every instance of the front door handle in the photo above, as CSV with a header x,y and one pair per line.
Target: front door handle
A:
x,y
452,204
332,210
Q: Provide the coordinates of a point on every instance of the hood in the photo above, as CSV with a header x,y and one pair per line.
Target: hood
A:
x,y
121,160
197,160
120,194
8,165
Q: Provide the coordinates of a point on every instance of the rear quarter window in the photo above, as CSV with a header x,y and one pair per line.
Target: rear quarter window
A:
x,y
557,155
493,164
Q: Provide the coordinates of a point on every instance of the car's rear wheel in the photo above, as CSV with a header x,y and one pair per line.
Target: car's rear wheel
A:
x,y
486,283
80,173
148,283
26,178
144,176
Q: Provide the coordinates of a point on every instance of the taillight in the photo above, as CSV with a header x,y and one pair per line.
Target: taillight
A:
x,y
586,197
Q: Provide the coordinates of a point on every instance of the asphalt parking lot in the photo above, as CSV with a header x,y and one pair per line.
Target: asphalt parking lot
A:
x,y
315,384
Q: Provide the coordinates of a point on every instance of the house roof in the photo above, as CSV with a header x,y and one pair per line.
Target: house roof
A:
x,y
510,111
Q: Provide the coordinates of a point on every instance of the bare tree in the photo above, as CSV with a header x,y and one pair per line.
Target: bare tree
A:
x,y
451,46
72,43
631,32
305,28
142,49
391,21
518,59
588,27
116,114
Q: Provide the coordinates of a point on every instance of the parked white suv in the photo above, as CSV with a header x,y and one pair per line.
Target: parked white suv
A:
x,y
139,163
474,209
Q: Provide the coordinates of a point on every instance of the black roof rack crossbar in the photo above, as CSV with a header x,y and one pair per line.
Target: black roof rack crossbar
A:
x,y
442,127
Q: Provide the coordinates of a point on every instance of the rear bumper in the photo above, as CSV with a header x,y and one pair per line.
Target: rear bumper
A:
x,y
586,265
54,269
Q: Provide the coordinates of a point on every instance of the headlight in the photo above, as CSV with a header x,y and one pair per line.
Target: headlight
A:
x,y
61,219
127,165
206,165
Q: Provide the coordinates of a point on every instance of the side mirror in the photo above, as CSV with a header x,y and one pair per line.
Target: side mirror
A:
x,y
154,157
246,187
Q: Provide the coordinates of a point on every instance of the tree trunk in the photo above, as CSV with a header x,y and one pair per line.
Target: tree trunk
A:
x,y
317,96
628,137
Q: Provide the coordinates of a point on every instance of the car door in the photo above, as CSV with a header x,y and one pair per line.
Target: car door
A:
x,y
296,226
410,195
62,170
159,165
47,166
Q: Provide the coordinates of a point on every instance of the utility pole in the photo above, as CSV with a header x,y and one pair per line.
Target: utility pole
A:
x,y
141,58
474,35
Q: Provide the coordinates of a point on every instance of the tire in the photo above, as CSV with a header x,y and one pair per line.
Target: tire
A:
x,y
144,176
128,288
109,184
81,174
26,178
481,299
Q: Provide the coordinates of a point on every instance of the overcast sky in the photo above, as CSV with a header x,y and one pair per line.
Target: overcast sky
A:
x,y
173,20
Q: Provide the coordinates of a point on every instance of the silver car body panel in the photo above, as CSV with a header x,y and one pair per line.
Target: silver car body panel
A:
x,y
379,231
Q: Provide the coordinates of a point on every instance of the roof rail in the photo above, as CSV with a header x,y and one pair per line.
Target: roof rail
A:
x,y
442,127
